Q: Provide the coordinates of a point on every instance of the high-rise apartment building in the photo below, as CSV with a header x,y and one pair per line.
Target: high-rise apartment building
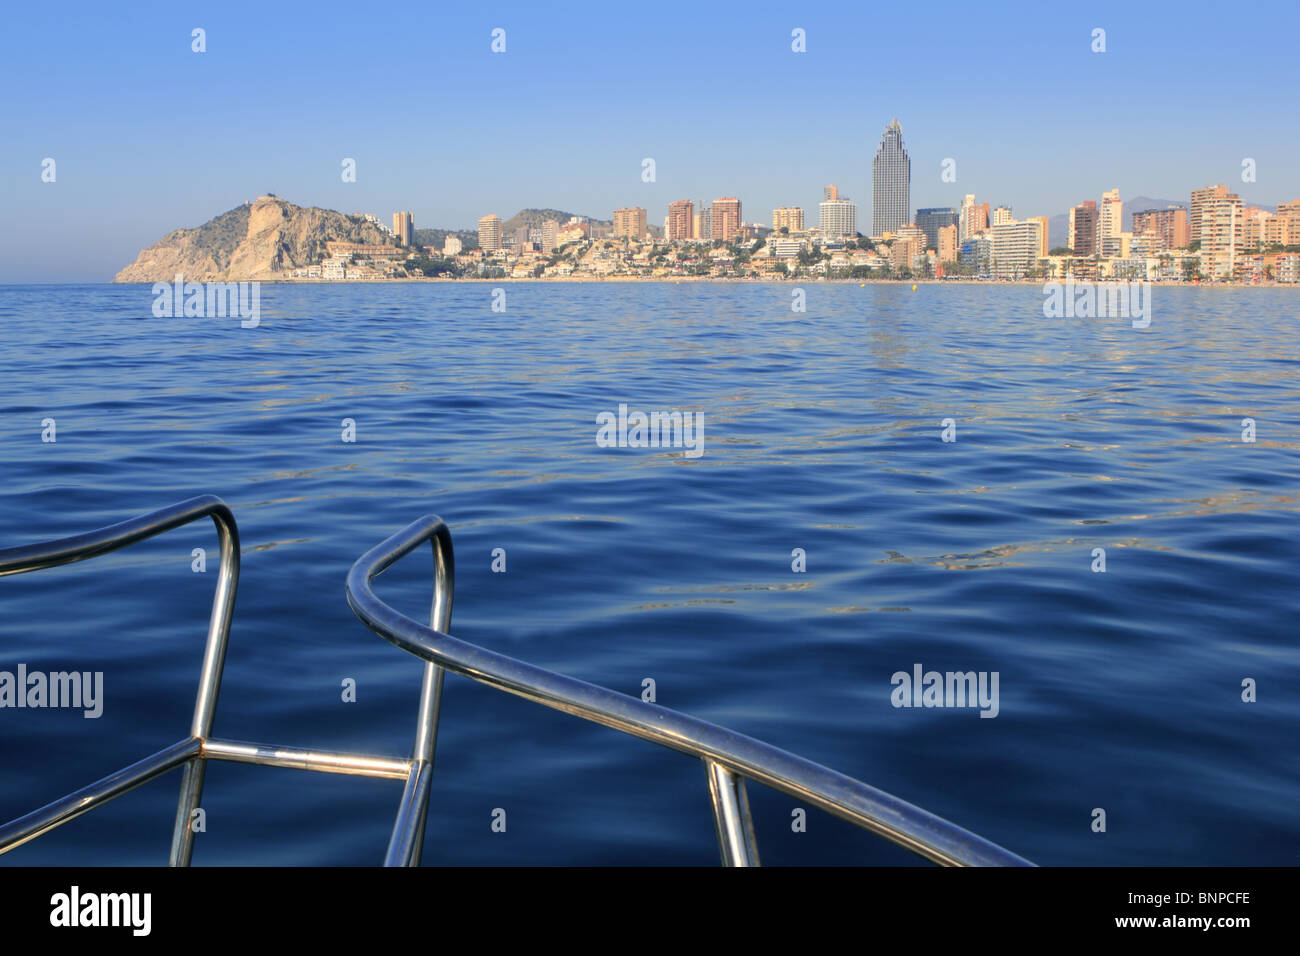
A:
x,y
681,216
550,235
1167,226
965,217
1283,229
1043,225
891,183
934,219
787,217
1110,222
630,222
915,233
1002,215
1254,224
905,248
1290,211
489,233
976,254
726,218
1222,225
946,244
1082,233
1200,198
831,192
838,219
1017,246
404,227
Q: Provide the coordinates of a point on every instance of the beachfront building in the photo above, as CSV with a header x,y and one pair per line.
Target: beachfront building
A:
x,y
1110,218
976,254
1017,247
1169,227
1201,198
1081,236
1222,227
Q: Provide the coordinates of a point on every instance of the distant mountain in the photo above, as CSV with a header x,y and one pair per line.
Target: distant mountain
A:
x,y
1143,203
259,240
438,237
533,218
1058,226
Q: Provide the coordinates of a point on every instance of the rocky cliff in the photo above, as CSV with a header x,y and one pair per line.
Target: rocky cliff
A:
x,y
261,240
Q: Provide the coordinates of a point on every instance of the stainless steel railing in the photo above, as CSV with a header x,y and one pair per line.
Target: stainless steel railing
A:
x,y
729,758
194,751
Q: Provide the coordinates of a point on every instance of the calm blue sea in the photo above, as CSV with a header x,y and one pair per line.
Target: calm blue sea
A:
x,y
1119,690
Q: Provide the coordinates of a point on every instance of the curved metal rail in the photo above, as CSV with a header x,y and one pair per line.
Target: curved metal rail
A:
x,y
729,758
194,751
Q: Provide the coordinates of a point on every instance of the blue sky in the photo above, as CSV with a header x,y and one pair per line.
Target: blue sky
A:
x,y
149,136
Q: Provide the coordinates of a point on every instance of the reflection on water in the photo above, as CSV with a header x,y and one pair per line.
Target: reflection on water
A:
x,y
1119,689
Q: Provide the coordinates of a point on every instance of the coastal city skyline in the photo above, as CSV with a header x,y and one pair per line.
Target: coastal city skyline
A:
x,y
1213,237
183,135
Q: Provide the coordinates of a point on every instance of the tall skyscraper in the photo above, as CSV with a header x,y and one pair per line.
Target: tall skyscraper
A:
x,y
726,217
932,220
1082,234
891,183
838,219
489,233
404,227
681,219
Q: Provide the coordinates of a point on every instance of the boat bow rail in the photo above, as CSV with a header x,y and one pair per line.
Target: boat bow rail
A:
x,y
729,758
